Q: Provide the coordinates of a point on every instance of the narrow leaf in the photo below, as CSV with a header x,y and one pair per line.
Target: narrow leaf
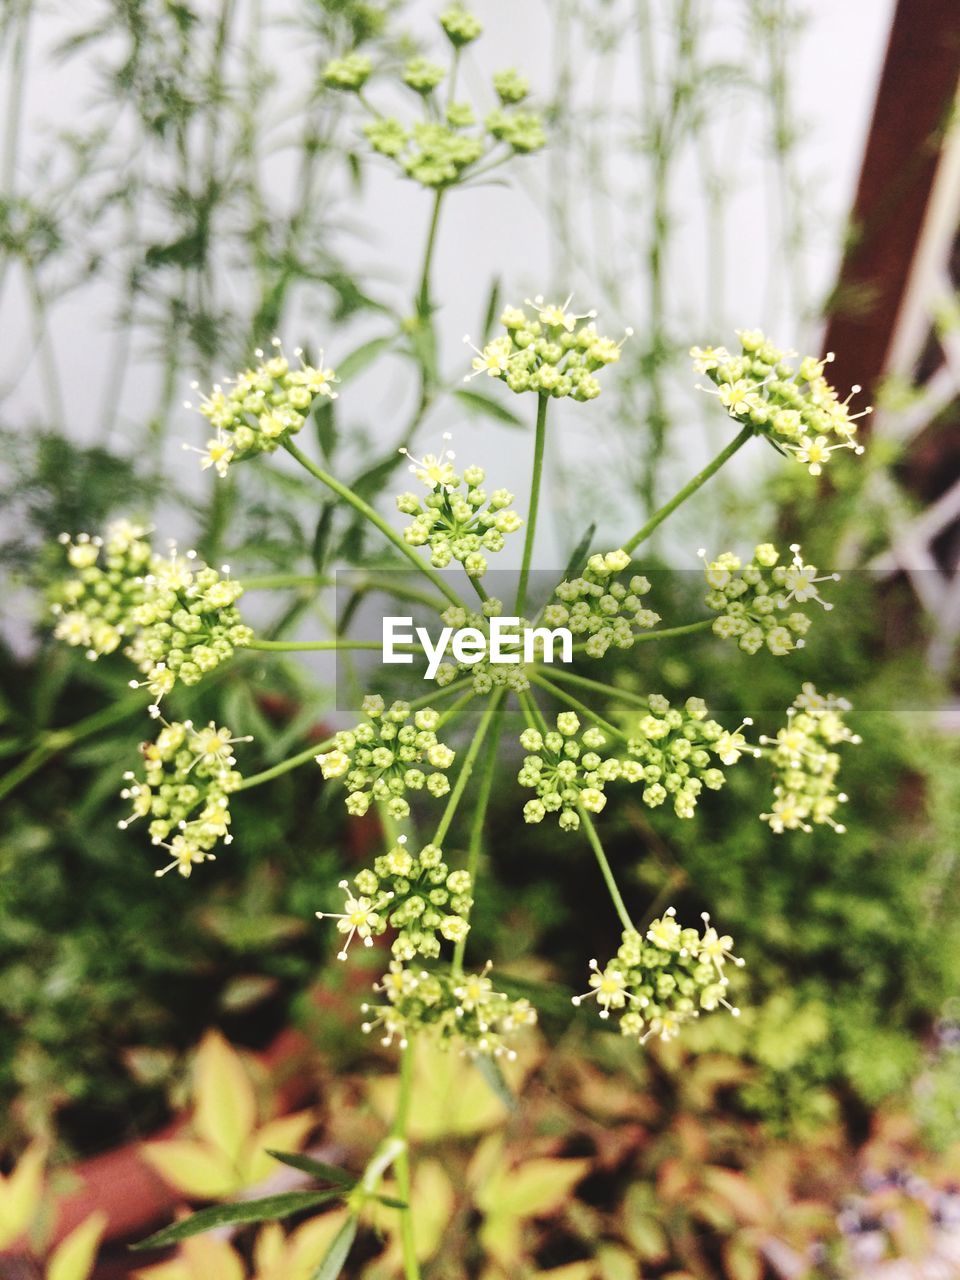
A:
x,y
490,1070
320,547
493,307
317,1168
392,1203
324,418
336,1256
477,402
268,1209
363,356
580,552
73,1259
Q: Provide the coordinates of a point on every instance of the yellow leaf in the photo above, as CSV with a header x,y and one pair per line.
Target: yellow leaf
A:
x,y
537,1187
742,1260
207,1257
500,1235
269,1250
432,1199
450,1097
647,1236
308,1245
74,1257
572,1271
746,1200
486,1163
200,1172
175,1269
202,1258
617,1263
225,1108
285,1134
20,1195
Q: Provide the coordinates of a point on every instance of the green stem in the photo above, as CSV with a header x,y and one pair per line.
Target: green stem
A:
x,y
452,713
534,718
598,686
57,740
605,869
666,633
532,713
281,581
375,518
411,1268
452,81
297,646
479,817
310,753
581,708
463,777
402,592
538,451
423,295
690,488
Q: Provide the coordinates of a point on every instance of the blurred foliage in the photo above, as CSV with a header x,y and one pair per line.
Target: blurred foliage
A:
x,y
612,1167
26,1202
228,1150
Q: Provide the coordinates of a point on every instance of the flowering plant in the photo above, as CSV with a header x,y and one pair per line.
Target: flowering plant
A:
x,y
178,619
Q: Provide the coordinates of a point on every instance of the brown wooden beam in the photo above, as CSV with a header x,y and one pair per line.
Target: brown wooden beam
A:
x,y
915,102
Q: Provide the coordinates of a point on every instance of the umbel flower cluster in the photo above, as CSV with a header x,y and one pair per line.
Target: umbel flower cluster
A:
x,y
457,519
387,755
794,406
673,753
262,407
658,981
675,750
185,792
601,610
453,140
806,764
177,615
458,1008
415,894
485,676
177,619
551,352
567,772
756,603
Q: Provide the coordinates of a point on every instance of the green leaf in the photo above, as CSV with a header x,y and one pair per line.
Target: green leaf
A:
x,y
188,251
336,1256
493,308
316,1168
368,483
580,552
363,356
321,536
391,1202
267,1209
490,1070
325,421
477,402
